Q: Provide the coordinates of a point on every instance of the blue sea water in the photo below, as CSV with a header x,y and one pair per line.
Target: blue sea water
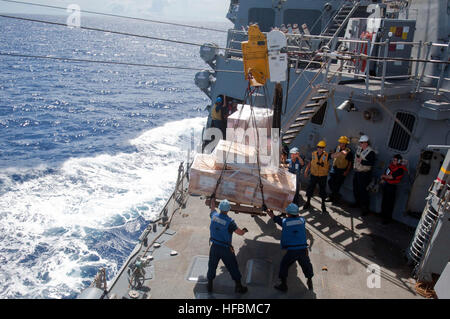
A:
x,y
88,152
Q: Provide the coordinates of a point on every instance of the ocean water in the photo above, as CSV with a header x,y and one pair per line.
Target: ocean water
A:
x,y
88,152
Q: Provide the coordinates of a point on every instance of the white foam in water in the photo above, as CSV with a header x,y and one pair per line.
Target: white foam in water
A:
x,y
42,234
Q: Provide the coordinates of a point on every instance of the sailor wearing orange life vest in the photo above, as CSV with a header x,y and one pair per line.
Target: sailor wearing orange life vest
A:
x,y
319,166
392,177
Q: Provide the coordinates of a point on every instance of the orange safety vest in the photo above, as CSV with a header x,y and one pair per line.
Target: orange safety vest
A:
x,y
390,171
320,166
341,161
216,115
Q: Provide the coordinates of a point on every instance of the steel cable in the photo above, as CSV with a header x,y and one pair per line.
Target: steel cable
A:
x,y
119,16
112,62
113,32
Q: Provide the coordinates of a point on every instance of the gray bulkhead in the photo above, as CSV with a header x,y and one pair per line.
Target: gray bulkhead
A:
x,y
432,24
261,11
428,116
425,131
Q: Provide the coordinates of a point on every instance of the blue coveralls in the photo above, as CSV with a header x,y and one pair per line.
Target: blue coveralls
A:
x,y
221,231
293,238
295,168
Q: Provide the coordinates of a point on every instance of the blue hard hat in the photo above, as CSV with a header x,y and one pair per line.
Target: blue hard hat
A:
x,y
224,206
292,209
219,99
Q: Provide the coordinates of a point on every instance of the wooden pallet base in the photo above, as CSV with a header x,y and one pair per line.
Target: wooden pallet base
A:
x,y
237,208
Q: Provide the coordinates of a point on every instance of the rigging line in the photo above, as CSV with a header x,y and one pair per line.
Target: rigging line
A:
x,y
112,62
113,32
232,142
119,16
253,119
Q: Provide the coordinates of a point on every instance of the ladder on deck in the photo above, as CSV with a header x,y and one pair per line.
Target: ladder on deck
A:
x,y
340,20
312,103
317,95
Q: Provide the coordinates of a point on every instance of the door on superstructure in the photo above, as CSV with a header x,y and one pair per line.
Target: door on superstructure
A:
x,y
427,170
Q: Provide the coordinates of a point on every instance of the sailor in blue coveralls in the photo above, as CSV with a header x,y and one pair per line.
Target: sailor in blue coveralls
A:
x,y
293,238
221,229
295,165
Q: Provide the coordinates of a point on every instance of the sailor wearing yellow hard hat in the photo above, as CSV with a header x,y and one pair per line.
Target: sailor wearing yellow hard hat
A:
x,y
319,166
342,164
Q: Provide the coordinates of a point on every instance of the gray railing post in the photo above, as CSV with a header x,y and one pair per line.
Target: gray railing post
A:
x,y
416,73
368,66
329,59
445,58
383,75
424,66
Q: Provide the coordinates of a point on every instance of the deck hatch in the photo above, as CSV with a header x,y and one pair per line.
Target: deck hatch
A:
x,y
198,269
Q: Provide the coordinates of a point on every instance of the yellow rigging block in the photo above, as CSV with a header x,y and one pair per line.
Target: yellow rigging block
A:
x,y
255,56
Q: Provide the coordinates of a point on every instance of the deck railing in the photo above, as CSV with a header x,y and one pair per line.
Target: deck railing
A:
x,y
307,49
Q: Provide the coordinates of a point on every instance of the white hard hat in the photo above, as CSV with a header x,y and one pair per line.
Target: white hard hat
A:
x,y
294,150
364,138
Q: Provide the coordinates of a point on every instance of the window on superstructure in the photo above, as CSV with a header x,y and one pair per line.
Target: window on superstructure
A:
x,y
399,137
320,115
301,16
265,17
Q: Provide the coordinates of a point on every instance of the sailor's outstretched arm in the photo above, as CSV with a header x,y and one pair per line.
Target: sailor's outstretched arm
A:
x,y
212,204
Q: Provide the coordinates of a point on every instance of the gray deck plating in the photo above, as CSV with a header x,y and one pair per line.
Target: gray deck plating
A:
x,y
342,247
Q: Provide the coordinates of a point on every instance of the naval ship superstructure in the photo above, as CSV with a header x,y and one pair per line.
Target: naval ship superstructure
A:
x,y
376,68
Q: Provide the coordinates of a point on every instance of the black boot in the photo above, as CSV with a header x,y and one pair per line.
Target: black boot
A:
x,y
324,208
239,288
354,205
335,198
309,283
210,285
282,286
307,204
364,210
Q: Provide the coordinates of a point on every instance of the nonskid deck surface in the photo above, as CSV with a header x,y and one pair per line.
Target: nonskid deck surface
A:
x,y
346,251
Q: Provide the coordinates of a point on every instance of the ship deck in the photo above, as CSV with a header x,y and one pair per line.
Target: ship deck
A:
x,y
342,246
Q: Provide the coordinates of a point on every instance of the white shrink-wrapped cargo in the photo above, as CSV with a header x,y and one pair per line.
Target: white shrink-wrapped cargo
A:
x,y
241,187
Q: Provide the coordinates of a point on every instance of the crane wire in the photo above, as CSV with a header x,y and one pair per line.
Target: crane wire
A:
x,y
355,55
115,32
112,62
119,16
